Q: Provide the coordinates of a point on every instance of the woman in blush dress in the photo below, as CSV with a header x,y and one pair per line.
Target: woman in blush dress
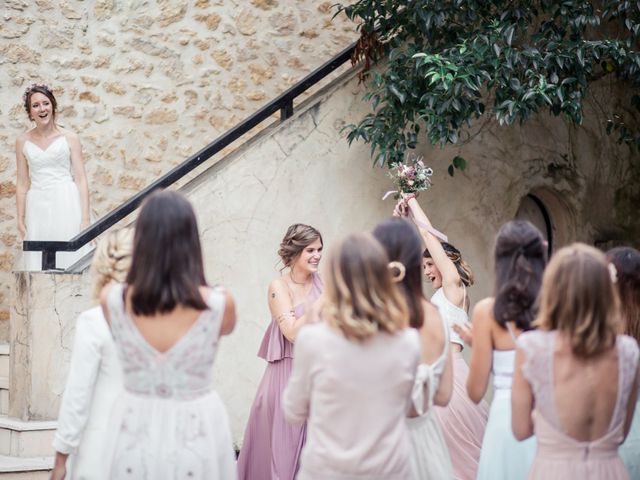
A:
x,y
462,421
627,263
95,376
52,197
520,258
169,423
433,385
353,371
576,379
271,447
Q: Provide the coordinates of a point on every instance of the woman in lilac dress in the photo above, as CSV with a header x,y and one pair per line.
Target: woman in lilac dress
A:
x,y
271,447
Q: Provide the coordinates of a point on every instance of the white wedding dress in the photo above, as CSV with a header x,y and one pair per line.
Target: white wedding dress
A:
x,y
53,210
169,424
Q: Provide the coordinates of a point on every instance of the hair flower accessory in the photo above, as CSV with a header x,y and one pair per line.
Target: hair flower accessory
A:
x,y
412,176
33,86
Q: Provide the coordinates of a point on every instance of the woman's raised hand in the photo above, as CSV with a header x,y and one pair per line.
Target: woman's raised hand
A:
x,y
400,210
465,331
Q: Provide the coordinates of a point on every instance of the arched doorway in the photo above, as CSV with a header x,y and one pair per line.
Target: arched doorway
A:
x,y
534,210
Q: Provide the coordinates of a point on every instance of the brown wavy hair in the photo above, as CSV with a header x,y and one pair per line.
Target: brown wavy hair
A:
x,y
579,299
520,258
360,296
298,237
627,263
464,270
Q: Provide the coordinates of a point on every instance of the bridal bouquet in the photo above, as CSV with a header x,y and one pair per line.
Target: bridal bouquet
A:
x,y
412,176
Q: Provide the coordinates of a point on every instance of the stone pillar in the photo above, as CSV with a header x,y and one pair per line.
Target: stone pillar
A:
x,y
42,325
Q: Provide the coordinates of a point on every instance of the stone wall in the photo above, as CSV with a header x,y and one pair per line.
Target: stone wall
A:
x,y
146,83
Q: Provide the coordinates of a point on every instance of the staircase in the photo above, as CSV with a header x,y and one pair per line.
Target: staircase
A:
x,y
25,447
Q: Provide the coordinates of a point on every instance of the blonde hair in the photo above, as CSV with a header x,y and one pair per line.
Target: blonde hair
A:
x,y
112,258
361,298
298,237
579,299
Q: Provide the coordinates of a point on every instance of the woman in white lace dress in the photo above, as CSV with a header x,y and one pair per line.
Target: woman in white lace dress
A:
x,y
95,375
52,197
170,423
433,384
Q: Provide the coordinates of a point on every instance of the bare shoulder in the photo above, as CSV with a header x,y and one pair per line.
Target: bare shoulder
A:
x,y
433,326
277,285
23,137
68,133
72,137
483,311
430,310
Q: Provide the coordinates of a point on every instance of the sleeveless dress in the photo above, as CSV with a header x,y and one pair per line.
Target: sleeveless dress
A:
x,y
271,447
429,458
93,386
559,456
462,421
52,210
169,424
498,436
630,449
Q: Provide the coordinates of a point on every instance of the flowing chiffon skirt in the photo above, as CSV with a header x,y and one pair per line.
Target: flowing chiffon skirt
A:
x,y
53,213
630,449
495,462
462,423
272,446
429,458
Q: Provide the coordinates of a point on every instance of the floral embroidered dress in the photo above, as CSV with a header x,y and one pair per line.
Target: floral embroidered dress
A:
x,y
170,424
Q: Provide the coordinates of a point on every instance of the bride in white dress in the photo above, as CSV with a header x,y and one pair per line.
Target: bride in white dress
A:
x,y
52,204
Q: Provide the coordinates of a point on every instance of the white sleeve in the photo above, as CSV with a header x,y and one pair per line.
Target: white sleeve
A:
x,y
297,393
78,393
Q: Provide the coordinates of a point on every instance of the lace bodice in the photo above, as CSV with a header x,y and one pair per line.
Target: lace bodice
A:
x,y
537,368
185,370
51,166
451,313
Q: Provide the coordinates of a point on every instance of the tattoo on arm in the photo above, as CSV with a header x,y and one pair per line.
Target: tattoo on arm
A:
x,y
273,295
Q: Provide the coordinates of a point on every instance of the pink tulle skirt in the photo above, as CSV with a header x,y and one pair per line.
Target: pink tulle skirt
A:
x,y
462,423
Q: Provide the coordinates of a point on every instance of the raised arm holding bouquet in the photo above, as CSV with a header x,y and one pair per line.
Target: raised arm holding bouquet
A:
x,y
462,421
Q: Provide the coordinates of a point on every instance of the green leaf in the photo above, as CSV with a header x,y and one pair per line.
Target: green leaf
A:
x,y
397,93
459,163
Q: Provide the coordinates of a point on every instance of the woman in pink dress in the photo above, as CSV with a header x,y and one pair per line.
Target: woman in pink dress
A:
x,y
271,446
462,421
353,372
576,379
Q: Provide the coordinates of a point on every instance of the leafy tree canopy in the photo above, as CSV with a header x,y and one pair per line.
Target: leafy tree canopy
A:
x,y
449,61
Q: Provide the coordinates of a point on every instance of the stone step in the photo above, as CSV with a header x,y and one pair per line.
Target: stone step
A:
x,y
26,439
4,360
21,468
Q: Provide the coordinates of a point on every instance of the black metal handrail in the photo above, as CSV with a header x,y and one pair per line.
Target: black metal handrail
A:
x,y
283,102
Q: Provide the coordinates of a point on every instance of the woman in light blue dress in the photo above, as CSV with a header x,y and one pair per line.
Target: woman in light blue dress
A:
x,y
520,258
627,263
